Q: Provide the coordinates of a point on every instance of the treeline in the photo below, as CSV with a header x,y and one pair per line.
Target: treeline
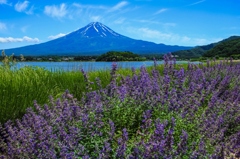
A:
x,y
109,56
120,56
229,48
54,58
192,53
226,48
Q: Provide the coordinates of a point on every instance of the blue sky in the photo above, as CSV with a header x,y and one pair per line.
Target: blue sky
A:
x,y
172,22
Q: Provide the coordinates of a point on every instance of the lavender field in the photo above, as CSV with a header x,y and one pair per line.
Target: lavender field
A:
x,y
178,113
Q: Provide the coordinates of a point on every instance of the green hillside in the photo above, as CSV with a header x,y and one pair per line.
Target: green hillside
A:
x,y
197,51
209,50
229,48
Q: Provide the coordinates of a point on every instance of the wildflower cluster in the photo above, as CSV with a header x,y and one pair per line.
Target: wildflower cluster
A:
x,y
192,113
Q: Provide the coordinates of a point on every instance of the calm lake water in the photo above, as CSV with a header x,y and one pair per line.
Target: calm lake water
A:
x,y
88,66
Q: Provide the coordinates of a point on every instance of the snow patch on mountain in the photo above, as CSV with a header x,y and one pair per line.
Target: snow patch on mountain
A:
x,y
96,29
104,34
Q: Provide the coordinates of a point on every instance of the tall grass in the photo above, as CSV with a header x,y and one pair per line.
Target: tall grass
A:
x,y
20,87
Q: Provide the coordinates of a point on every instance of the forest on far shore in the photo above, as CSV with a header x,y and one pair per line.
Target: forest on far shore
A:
x,y
109,56
120,56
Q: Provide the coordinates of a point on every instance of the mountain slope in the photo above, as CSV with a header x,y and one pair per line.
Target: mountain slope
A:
x,y
227,48
199,51
93,39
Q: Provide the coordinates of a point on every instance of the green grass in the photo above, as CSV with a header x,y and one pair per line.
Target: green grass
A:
x,y
20,87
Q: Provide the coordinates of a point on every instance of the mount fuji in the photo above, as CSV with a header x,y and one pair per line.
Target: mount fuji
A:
x,y
93,39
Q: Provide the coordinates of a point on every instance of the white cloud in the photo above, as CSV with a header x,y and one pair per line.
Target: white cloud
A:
x,y
3,1
156,22
147,21
234,28
161,11
56,11
3,26
30,11
170,38
28,39
185,39
24,39
118,6
95,18
21,7
196,3
169,24
89,6
24,29
119,21
56,36
200,41
97,12
149,33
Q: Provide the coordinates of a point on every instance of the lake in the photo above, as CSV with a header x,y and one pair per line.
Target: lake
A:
x,y
88,66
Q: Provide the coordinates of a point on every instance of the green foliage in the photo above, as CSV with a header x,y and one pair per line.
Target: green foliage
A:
x,y
85,58
120,56
195,52
236,57
225,49
121,113
150,57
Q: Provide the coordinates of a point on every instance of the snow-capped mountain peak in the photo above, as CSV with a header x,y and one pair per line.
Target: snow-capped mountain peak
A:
x,y
97,29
